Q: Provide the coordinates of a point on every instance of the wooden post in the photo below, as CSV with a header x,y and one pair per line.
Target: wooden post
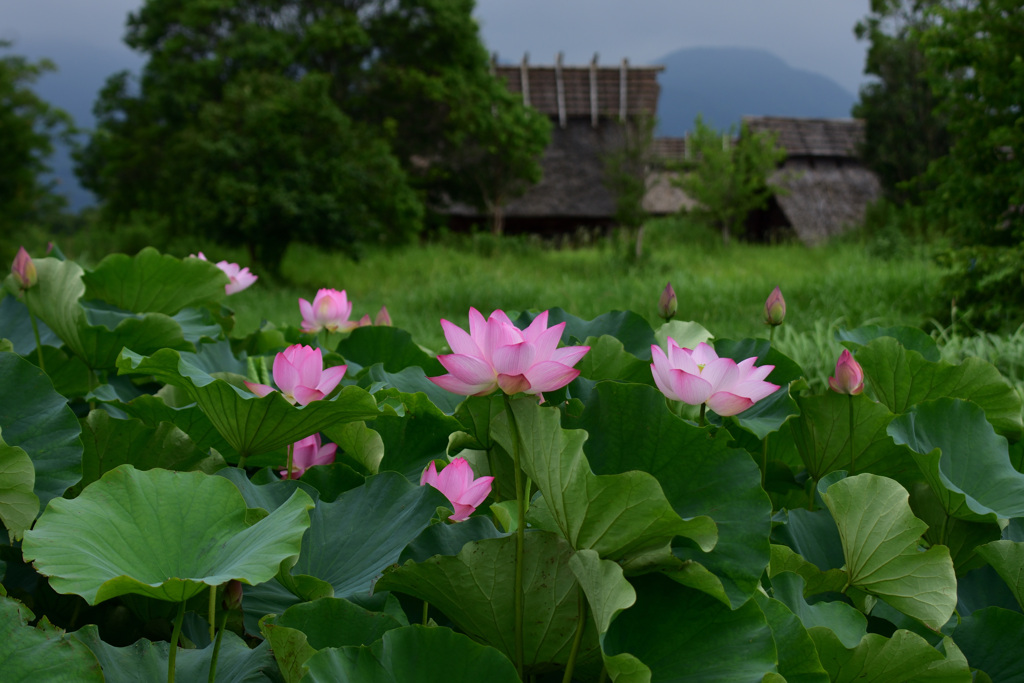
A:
x,y
593,91
524,77
560,90
622,89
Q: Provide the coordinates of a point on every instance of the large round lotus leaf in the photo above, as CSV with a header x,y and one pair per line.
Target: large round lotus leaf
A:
x,y
31,655
250,424
632,330
162,534
413,653
37,419
18,505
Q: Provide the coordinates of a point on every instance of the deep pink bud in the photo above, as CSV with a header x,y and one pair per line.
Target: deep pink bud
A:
x,y
775,308
232,595
668,304
849,378
456,482
308,452
24,269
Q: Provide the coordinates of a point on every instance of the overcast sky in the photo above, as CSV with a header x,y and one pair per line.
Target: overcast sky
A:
x,y
816,35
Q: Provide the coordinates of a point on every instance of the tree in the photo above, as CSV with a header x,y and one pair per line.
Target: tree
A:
x,y
625,173
28,126
406,75
728,177
903,130
975,53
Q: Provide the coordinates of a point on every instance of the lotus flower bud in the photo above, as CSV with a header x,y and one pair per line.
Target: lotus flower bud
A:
x,y
383,317
774,308
24,269
232,595
849,378
668,304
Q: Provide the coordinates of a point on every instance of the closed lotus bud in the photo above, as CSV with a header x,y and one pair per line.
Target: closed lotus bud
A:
x,y
383,317
232,595
668,304
849,378
775,308
24,269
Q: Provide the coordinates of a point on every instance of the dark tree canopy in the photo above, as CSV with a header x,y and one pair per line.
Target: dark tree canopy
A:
x,y
397,88
903,132
28,126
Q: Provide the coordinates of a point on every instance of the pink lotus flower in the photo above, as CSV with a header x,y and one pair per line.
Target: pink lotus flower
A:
x,y
299,373
308,452
240,277
774,308
700,376
383,318
849,378
496,354
24,269
329,311
456,482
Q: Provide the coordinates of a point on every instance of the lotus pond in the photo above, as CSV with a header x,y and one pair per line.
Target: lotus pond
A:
x,y
549,498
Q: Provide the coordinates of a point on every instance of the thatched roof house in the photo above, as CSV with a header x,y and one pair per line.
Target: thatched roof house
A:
x,y
829,187
587,105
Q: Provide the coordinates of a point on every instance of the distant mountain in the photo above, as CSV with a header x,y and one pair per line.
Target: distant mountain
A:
x,y
726,83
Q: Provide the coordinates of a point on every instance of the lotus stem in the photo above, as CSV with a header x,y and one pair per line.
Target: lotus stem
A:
x,y
288,468
764,462
35,331
703,407
520,537
852,454
580,626
771,333
604,675
216,646
241,461
426,608
175,635
213,611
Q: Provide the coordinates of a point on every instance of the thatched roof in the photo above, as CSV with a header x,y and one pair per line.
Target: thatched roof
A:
x,y
812,137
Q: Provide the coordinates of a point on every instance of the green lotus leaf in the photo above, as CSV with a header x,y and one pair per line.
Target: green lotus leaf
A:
x,y
768,415
682,634
110,442
688,334
310,626
145,660
31,655
963,459
813,534
981,588
474,590
449,539
153,410
17,327
904,658
960,536
608,594
414,435
608,359
359,442
912,338
413,653
166,535
880,543
352,540
784,559
151,282
631,428
822,436
798,659
845,621
18,505
623,516
37,419
632,330
394,348
990,639
250,424
902,378
1007,558
411,380
94,331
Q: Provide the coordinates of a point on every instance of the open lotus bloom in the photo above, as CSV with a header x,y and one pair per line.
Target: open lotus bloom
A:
x,y
496,354
849,377
329,311
299,374
456,482
700,376
240,277
308,452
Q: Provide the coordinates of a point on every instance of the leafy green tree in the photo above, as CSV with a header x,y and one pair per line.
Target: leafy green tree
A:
x,y
28,126
625,174
408,76
975,54
728,177
903,130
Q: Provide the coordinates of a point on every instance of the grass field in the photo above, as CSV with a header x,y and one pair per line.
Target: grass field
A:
x,y
723,288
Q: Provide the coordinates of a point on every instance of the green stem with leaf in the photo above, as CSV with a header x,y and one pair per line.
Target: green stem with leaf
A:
x,y
581,625
852,452
520,537
216,646
175,636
